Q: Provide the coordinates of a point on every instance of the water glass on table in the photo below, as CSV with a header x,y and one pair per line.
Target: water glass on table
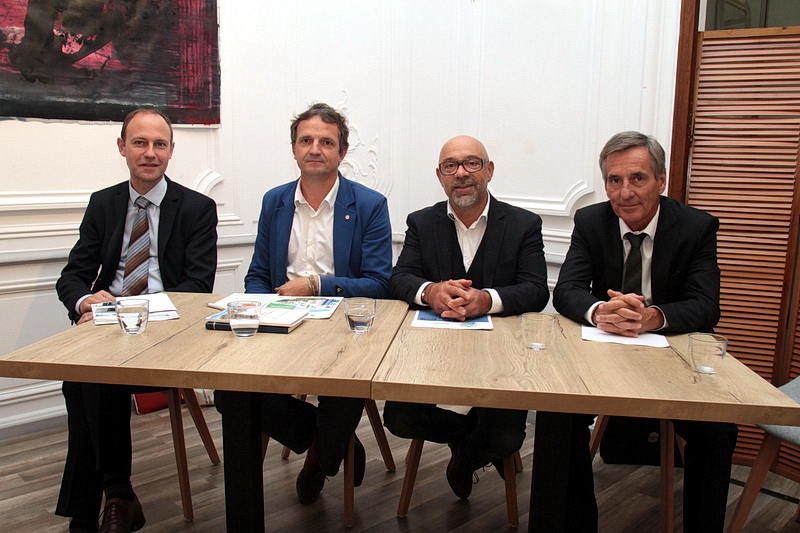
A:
x,y
132,314
359,313
707,351
537,330
244,316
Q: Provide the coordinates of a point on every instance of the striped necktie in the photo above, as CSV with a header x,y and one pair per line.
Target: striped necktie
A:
x,y
137,263
632,271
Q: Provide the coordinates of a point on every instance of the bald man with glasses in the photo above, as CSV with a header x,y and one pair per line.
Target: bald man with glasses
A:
x,y
466,257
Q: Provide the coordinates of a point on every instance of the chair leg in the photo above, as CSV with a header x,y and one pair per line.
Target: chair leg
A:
x,y
190,397
517,462
509,475
380,434
597,434
178,442
764,459
264,444
667,474
412,465
286,451
349,483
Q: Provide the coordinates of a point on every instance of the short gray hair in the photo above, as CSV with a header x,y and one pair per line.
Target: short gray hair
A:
x,y
633,139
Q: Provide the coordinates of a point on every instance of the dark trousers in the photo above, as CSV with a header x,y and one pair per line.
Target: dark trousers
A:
x,y
98,444
484,435
563,487
298,424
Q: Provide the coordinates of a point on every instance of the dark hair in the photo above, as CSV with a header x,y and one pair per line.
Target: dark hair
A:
x,y
327,114
152,111
633,139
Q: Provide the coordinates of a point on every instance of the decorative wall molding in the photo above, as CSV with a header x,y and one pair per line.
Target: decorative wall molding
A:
x,y
206,180
562,207
19,286
43,200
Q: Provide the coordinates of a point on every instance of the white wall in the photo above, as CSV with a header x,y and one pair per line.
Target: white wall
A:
x,y
542,83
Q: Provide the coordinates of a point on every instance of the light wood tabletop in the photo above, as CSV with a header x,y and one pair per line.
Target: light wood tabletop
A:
x,y
493,368
318,357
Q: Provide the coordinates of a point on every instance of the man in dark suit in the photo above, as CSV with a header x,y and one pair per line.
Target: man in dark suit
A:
x,y
319,235
179,255
674,288
464,258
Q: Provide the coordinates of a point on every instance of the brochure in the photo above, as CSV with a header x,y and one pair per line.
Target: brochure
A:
x,y
161,308
315,306
425,318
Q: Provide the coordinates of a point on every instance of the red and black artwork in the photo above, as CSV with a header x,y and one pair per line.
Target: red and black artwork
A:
x,y
98,59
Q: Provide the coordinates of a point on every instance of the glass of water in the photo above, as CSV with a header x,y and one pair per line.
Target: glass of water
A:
x,y
132,315
244,316
359,312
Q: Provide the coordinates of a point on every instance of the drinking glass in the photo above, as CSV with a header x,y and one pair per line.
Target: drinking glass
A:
x,y
537,330
244,316
132,314
359,313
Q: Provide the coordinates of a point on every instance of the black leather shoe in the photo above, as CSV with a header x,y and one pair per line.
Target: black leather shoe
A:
x,y
459,478
359,462
310,481
122,516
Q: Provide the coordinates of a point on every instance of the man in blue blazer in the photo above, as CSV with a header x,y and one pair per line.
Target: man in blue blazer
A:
x,y
466,257
677,292
182,256
319,235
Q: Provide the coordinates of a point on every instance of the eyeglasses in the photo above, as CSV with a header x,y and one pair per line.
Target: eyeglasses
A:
x,y
470,164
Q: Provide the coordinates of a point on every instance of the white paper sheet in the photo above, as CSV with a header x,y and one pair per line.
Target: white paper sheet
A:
x,y
589,333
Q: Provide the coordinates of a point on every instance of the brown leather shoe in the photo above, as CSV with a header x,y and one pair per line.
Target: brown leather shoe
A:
x,y
460,479
122,516
310,481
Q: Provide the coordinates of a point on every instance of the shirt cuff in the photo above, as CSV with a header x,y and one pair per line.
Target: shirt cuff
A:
x,y
662,316
590,312
78,304
497,302
418,296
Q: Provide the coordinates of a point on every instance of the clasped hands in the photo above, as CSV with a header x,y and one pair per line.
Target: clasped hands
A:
x,y
626,315
457,299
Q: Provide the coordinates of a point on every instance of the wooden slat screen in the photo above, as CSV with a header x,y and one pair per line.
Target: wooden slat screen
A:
x,y
743,168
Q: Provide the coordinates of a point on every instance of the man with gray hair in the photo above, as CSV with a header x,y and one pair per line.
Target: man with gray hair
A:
x,y
639,262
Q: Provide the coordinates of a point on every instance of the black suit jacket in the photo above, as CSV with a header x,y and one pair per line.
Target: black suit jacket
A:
x,y
187,243
512,256
684,277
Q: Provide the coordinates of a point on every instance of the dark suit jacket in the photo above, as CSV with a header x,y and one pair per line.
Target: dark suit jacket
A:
x,y
187,243
362,242
512,256
684,277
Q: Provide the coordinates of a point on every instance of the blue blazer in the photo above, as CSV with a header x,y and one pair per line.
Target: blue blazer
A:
x,y
362,242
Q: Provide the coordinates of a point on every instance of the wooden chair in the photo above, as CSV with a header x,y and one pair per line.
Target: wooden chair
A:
x,y
774,436
511,465
178,442
349,471
667,461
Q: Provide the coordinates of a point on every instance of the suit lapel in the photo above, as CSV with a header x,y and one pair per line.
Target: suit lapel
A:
x,y
664,247
280,233
166,217
493,241
344,224
120,214
614,254
444,241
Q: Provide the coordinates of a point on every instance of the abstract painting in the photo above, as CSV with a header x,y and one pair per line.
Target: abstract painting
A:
x,y
98,59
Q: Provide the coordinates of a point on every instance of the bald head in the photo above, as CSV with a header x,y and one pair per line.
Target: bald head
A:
x,y
461,143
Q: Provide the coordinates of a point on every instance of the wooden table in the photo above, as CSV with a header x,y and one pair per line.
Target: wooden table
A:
x,y
494,369
394,362
319,357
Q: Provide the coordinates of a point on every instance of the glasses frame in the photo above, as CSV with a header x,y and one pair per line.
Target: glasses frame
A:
x,y
461,164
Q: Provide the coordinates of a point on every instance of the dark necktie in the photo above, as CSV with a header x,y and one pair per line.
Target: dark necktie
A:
x,y
136,265
632,271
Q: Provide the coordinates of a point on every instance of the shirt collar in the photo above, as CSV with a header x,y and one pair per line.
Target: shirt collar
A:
x,y
483,216
330,198
650,229
155,195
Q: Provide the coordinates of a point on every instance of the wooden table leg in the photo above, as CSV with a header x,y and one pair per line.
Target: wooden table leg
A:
x,y
244,482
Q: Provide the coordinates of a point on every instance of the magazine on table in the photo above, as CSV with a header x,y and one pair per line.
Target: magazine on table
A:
x,y
161,308
315,306
272,320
